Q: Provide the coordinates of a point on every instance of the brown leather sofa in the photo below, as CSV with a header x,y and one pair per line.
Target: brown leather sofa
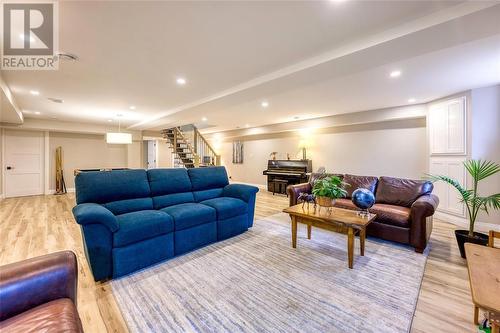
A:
x,y
404,207
39,295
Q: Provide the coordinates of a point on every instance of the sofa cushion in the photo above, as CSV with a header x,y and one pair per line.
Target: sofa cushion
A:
x,y
345,203
401,191
207,194
163,201
167,181
130,205
227,207
188,215
141,225
107,186
393,215
56,316
208,178
356,182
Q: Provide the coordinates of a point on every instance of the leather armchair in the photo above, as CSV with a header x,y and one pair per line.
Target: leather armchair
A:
x,y
39,294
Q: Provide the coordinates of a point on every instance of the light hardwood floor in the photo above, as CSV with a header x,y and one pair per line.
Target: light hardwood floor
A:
x,y
33,226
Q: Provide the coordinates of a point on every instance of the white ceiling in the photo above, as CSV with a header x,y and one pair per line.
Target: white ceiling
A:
x,y
308,59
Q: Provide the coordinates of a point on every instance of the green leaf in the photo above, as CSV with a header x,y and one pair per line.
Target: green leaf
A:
x,y
466,194
479,169
492,201
331,187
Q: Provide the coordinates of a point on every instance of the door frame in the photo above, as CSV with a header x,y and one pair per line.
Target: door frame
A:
x,y
45,156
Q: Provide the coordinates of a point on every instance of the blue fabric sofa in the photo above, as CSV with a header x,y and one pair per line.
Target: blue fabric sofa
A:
x,y
131,219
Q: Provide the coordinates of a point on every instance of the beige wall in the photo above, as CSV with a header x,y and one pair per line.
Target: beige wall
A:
x,y
392,149
82,151
485,135
163,155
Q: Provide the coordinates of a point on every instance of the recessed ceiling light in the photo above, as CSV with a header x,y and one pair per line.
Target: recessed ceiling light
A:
x,y
204,119
412,100
110,120
247,125
132,107
37,112
264,104
395,73
181,81
34,92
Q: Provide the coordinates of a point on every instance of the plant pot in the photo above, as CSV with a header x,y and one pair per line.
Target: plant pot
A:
x,y
463,237
325,201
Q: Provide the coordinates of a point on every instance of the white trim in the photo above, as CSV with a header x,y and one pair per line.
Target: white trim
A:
x,y
2,196
261,186
46,157
464,223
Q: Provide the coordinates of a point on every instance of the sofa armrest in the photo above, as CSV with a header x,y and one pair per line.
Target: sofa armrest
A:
x,y
425,205
240,191
295,190
421,222
91,213
29,283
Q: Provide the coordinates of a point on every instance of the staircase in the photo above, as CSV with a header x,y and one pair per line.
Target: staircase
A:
x,y
190,148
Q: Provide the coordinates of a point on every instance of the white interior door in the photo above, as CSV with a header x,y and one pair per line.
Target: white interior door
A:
x,y
151,154
23,163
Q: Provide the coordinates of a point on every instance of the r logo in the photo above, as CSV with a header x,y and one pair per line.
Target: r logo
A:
x,y
28,29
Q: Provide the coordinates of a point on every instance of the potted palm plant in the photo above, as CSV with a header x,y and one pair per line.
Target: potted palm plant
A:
x,y
478,170
328,189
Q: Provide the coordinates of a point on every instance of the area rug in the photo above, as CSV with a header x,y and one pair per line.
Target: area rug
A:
x,y
257,282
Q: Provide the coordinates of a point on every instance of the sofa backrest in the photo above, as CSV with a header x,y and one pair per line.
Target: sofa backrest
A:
x,y
355,182
208,183
170,187
121,191
401,191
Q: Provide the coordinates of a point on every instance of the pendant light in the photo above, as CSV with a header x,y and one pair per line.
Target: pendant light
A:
x,y
119,138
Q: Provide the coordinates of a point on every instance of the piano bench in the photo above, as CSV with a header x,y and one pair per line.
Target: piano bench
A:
x,y
281,185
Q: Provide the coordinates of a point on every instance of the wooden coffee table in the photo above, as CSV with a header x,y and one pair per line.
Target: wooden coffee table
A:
x,y
333,219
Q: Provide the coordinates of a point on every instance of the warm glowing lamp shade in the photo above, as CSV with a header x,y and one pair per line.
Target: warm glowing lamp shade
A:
x,y
119,138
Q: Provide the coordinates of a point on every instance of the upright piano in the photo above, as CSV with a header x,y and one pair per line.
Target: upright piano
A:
x,y
281,173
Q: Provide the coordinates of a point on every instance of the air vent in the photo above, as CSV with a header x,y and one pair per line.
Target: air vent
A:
x,y
56,100
67,56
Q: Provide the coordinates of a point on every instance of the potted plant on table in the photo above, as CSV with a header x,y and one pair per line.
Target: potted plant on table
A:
x,y
328,189
478,170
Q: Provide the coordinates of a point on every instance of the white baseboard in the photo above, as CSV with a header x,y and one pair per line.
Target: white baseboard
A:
x,y
69,190
464,223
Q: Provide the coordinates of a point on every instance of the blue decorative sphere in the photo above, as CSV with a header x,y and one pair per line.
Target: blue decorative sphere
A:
x,y
363,198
